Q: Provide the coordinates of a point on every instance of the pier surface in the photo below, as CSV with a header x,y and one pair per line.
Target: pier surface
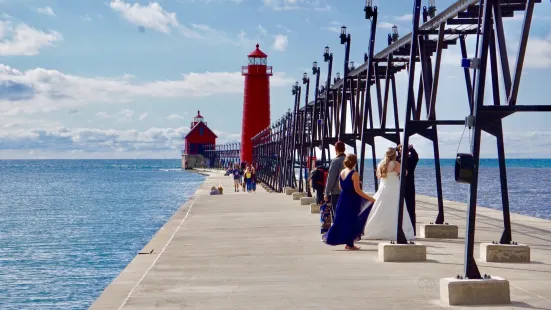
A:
x,y
264,251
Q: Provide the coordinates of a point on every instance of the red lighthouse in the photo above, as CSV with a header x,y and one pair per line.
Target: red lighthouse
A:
x,y
256,100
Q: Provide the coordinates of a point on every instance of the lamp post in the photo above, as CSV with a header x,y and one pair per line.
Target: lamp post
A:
x,y
432,8
327,57
395,35
303,152
293,140
314,118
345,40
367,117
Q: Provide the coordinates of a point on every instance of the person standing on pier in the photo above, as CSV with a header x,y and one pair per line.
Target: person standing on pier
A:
x,y
236,178
413,159
332,190
352,208
318,177
253,179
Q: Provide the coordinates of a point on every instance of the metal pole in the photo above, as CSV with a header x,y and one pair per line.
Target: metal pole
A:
x,y
400,237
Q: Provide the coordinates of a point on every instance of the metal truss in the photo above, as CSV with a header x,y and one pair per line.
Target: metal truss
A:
x,y
323,121
222,156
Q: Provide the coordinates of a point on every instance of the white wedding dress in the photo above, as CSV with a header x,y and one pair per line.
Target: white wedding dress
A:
x,y
383,218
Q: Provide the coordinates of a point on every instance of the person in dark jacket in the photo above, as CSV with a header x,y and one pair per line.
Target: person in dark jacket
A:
x,y
317,181
332,190
413,159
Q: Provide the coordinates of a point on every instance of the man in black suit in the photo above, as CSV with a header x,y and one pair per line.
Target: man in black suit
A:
x,y
413,159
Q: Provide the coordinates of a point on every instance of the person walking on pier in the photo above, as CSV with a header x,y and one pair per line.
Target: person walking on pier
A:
x,y
352,208
332,190
413,159
318,177
253,179
236,178
382,220
249,179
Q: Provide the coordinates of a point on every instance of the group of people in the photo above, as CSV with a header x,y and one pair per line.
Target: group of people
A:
x,y
244,176
350,214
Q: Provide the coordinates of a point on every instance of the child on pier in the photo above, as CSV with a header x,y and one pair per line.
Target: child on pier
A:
x,y
236,178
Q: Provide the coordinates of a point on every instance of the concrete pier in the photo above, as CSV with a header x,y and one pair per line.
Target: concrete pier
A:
x,y
259,251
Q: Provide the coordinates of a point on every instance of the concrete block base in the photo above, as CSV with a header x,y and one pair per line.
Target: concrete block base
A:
x,y
298,195
456,292
289,191
440,231
306,201
504,253
402,252
314,208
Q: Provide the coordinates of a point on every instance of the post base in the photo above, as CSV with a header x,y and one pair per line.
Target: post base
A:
x,y
298,195
289,191
305,201
402,252
456,292
314,208
439,231
504,253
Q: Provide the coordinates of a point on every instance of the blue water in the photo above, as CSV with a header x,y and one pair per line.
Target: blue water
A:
x,y
528,180
69,227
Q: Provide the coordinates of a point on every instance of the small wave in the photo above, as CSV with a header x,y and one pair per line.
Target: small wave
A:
x,y
170,169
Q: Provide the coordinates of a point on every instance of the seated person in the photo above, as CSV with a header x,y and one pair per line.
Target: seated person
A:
x,y
214,191
221,190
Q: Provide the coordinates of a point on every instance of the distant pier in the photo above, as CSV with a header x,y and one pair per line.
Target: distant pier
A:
x,y
263,251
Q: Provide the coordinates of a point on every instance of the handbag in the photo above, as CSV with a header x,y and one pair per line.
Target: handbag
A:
x,y
325,217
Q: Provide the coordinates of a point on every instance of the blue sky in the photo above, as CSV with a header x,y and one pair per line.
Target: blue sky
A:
x,y
123,78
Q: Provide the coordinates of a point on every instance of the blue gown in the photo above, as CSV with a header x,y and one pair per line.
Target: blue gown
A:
x,y
349,222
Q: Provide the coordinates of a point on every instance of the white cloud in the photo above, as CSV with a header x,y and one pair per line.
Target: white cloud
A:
x,y
405,18
154,16
284,28
291,5
63,142
143,116
24,40
46,11
86,18
121,116
174,117
262,30
538,52
151,16
280,42
385,25
43,90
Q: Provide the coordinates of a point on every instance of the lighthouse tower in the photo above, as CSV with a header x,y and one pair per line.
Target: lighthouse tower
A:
x,y
256,100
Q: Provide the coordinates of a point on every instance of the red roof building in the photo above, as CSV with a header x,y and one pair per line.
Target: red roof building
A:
x,y
198,136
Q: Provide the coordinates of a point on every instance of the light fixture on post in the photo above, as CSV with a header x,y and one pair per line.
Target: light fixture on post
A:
x,y
368,9
326,54
365,57
305,78
315,68
295,88
352,65
343,34
432,8
338,76
395,35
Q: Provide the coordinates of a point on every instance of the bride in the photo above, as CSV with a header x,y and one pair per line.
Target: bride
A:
x,y
383,219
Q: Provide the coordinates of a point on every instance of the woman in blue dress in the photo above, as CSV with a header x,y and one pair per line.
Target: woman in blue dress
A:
x,y
352,210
